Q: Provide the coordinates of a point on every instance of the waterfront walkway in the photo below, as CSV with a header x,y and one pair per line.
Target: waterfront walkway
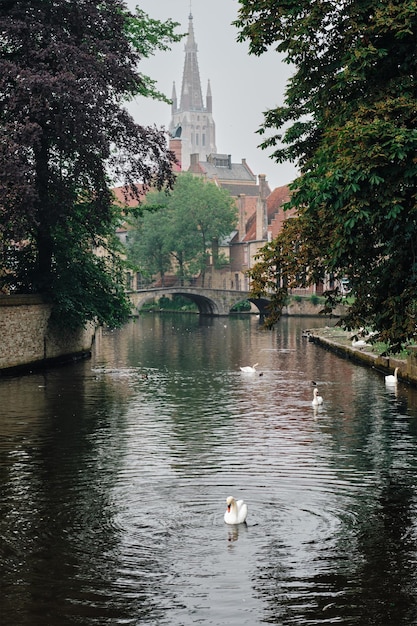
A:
x,y
341,342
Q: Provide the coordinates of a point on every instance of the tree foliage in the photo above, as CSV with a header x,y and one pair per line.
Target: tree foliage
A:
x,y
187,223
349,121
148,248
66,70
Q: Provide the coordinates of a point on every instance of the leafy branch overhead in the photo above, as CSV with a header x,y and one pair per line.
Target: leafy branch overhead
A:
x,y
159,37
349,121
67,70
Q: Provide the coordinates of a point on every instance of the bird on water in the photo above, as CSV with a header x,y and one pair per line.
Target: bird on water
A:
x,y
249,369
316,398
236,511
392,379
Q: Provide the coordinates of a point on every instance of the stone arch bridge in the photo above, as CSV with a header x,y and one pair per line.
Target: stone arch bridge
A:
x,y
209,301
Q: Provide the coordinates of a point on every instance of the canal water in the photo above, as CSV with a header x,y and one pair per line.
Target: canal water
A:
x,y
114,474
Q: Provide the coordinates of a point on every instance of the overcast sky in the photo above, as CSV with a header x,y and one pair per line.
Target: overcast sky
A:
x,y
242,86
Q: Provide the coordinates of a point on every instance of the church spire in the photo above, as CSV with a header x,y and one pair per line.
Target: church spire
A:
x,y
191,95
174,99
209,99
198,131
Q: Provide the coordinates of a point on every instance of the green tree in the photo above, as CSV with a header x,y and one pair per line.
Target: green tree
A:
x,y
66,70
193,217
178,234
349,121
147,246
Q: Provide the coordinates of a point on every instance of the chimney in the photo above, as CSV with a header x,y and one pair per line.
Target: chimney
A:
x,y
263,186
241,206
261,212
175,145
195,163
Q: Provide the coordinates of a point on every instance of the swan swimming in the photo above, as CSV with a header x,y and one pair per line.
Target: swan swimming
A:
x,y
236,511
392,379
249,368
316,398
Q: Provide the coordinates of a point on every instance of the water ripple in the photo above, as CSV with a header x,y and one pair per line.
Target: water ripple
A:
x,y
115,473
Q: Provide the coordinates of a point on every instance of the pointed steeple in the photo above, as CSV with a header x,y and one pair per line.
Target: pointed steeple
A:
x,y
174,99
191,96
209,102
198,131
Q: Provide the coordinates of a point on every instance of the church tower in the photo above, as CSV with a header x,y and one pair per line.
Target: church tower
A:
x,y
191,121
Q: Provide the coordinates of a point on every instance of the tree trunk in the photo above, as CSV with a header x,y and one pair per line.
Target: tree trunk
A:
x,y
44,237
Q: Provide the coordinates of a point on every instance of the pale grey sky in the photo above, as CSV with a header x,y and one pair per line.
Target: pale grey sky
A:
x,y
242,86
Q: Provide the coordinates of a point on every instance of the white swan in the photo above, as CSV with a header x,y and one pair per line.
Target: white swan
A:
x,y
249,369
360,343
316,398
236,511
392,379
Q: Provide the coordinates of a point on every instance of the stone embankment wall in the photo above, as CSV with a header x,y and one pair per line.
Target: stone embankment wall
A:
x,y
305,308
340,342
27,341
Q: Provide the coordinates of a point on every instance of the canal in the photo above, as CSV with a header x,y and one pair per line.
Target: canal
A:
x,y
114,474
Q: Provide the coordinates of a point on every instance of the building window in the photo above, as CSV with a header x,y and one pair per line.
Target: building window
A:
x,y
196,139
203,139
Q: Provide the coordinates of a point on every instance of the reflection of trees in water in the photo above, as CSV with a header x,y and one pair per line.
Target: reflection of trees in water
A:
x,y
359,569
61,550
364,573
95,452
387,542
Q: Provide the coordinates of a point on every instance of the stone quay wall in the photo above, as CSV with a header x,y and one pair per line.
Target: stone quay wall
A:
x,y
340,342
27,341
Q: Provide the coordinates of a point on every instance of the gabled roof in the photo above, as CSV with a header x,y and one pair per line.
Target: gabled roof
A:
x,y
220,167
125,198
250,229
276,214
275,200
236,189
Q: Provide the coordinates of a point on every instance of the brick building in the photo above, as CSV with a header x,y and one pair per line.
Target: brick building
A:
x,y
193,140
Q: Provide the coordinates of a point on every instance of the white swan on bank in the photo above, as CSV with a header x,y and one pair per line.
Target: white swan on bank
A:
x,y
392,379
316,398
360,343
236,511
249,369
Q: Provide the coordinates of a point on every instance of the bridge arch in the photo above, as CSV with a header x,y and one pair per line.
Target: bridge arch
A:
x,y
261,304
209,301
206,306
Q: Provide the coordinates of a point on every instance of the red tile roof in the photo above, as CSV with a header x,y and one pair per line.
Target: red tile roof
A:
x,y
125,198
